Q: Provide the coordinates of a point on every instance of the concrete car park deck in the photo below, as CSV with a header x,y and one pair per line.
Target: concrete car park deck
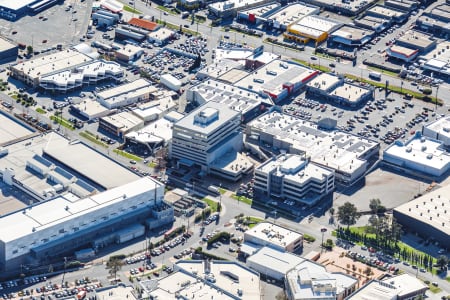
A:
x,y
11,129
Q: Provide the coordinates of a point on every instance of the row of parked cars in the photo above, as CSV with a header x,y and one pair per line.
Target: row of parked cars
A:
x,y
183,253
146,266
169,245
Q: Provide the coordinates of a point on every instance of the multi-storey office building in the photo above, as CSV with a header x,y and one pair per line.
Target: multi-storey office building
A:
x,y
293,177
206,134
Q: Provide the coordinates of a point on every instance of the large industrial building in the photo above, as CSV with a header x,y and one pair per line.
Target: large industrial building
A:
x,y
310,280
49,165
436,20
273,263
126,94
230,8
420,155
404,5
402,53
210,137
249,103
14,9
277,79
89,109
65,71
428,215
313,28
144,24
376,24
417,40
8,50
345,7
220,67
437,60
290,14
112,5
45,231
410,45
129,53
351,36
250,59
345,153
400,287
438,130
120,124
334,89
206,280
295,178
12,129
274,236
392,14
258,15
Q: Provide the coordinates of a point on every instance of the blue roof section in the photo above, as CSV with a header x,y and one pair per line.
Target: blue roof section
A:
x,y
63,173
85,185
42,160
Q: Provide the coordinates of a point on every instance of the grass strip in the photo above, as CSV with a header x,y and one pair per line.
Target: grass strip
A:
x,y
92,138
394,88
41,111
212,204
168,10
318,67
389,73
131,9
242,199
63,122
127,155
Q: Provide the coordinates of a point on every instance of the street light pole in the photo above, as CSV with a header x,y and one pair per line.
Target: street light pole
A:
x,y
323,230
436,100
64,273
220,198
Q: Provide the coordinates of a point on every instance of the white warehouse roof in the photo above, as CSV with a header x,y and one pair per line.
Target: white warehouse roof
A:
x,y
59,210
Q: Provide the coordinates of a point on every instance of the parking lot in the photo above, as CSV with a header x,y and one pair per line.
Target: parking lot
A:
x,y
53,26
383,119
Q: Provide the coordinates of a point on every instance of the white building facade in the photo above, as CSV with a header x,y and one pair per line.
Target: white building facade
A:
x,y
274,236
60,226
294,177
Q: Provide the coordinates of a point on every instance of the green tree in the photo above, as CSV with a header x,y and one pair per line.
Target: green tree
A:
x,y
331,211
427,91
347,214
442,262
281,296
375,205
29,49
114,265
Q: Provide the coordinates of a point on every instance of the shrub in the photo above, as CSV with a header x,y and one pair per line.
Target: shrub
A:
x,y
309,238
427,91
225,235
117,256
